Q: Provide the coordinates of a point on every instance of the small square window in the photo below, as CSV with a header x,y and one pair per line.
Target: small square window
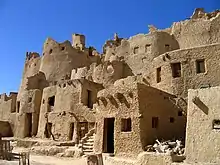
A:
x,y
30,99
216,124
155,122
136,49
200,66
167,47
158,74
148,48
51,101
180,113
62,48
176,69
172,120
126,125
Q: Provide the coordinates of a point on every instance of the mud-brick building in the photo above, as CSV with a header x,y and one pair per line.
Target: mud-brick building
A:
x,y
203,126
67,109
131,115
7,113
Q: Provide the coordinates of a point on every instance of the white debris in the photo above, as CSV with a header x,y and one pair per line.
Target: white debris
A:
x,y
169,147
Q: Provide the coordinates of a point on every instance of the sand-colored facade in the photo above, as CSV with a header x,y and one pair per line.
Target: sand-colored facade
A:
x,y
134,92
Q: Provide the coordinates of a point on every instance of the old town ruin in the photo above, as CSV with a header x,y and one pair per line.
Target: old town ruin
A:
x,y
151,99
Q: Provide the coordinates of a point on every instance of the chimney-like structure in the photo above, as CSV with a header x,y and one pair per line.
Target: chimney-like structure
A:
x,y
78,41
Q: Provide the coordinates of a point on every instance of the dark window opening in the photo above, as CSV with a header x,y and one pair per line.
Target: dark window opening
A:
x,y
216,124
180,113
167,47
147,48
176,69
71,131
155,122
89,99
136,49
62,48
172,120
51,50
126,125
51,101
18,106
43,101
158,74
30,99
200,66
64,85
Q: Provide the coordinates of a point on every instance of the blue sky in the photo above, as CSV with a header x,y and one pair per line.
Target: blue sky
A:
x,y
25,24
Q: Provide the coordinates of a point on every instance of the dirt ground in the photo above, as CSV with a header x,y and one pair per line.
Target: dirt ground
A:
x,y
48,160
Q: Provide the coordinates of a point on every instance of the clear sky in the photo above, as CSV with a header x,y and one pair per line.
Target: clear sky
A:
x,y
25,24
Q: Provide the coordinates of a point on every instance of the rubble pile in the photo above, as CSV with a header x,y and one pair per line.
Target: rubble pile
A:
x,y
171,147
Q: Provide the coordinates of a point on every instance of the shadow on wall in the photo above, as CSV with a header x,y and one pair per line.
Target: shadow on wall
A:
x,y
38,81
5,129
127,71
200,105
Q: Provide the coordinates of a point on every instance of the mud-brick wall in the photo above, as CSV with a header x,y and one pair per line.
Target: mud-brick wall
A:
x,y
119,102
189,78
203,123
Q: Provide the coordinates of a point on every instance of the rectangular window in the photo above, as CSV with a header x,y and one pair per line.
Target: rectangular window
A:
x,y
147,48
89,99
167,47
200,66
172,120
180,113
126,125
158,74
216,124
155,122
136,49
51,102
18,106
176,69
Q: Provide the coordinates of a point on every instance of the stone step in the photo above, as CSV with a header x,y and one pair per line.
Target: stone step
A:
x,y
87,151
90,140
87,148
88,144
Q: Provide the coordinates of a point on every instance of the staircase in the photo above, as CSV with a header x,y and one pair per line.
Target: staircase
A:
x,y
87,142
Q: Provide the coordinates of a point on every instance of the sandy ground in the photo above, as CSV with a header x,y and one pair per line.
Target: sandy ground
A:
x,y
48,160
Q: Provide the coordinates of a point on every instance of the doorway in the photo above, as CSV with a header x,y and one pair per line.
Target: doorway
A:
x,y
83,129
28,124
108,139
48,130
71,131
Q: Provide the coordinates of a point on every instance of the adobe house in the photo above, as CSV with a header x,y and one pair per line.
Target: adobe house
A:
x,y
131,115
66,109
7,114
203,126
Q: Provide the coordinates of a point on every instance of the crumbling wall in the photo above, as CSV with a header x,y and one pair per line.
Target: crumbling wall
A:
x,y
29,103
203,126
70,106
59,59
201,29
